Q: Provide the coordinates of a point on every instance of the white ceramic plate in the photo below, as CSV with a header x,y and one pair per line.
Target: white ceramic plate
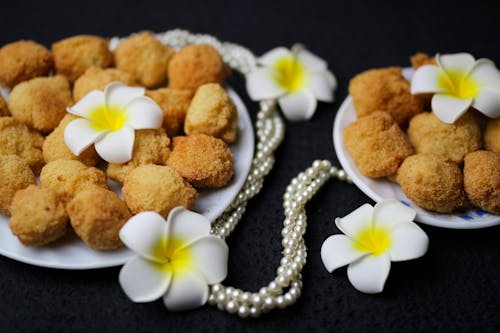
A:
x,y
379,189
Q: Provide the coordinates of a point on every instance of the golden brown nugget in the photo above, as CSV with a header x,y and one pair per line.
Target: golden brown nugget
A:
x,y
157,188
430,135
145,57
150,147
377,145
41,103
38,216
204,161
18,139
386,90
419,59
97,216
174,103
212,112
15,175
4,111
96,78
23,60
195,65
432,183
492,135
482,180
55,148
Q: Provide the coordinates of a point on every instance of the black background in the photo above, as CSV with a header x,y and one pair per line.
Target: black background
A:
x,y
456,286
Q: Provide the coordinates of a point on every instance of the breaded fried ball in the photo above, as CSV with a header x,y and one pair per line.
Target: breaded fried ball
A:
x,y
150,147
41,103
492,135
15,175
386,90
96,78
55,148
38,216
204,161
195,65
18,139
430,135
419,59
377,144
482,180
145,57
212,112
157,188
74,55
4,111
432,182
97,216
23,60
174,103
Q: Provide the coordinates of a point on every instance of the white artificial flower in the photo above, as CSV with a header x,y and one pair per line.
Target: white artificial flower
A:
x,y
374,236
459,82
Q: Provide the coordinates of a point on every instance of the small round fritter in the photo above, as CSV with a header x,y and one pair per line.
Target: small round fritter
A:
x,y
204,161
18,139
430,135
38,216
55,148
432,182
377,145
195,65
97,216
145,57
174,103
41,103
384,90
96,78
157,188
74,55
482,180
150,147
23,60
492,135
212,112
15,175
419,59
4,111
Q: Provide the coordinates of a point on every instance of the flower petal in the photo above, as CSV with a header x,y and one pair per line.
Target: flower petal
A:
x,y
117,146
338,251
261,85
485,73
188,290
322,85
390,213
357,220
144,281
426,80
449,108
488,101
408,242
117,94
271,57
187,225
298,106
87,104
79,135
460,63
369,273
143,113
311,61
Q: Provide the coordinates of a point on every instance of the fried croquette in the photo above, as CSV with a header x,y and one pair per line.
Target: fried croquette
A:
x,y
97,216
482,180
96,78
41,103
492,135
15,175
38,216
145,57
23,60
212,112
150,147
174,103
386,90
419,59
432,182
377,144
204,161
195,65
430,135
18,139
157,188
4,111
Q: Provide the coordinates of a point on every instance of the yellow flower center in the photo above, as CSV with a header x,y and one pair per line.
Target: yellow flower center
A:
x,y
289,73
105,118
373,239
174,260
459,84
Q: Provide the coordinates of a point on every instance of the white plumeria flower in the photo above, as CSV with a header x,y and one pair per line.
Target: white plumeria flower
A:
x,y
176,259
109,119
374,236
297,78
459,82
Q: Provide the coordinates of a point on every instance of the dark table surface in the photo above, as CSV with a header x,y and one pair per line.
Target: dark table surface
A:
x,y
456,286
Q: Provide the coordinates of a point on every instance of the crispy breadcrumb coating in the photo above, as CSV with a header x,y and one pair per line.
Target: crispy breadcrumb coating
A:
x,y
420,59
96,78
492,135
15,175
4,111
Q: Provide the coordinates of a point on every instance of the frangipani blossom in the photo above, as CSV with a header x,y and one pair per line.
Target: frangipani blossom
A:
x,y
297,78
373,237
459,82
108,120
176,259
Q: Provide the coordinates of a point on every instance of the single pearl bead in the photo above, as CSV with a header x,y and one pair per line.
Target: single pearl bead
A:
x,y
231,307
254,312
243,311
